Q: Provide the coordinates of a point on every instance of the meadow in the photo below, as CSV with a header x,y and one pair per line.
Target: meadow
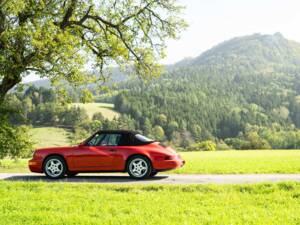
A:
x,y
200,162
49,136
65,203
219,162
106,109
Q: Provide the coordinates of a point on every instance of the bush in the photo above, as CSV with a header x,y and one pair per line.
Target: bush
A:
x,y
14,141
79,135
203,146
223,146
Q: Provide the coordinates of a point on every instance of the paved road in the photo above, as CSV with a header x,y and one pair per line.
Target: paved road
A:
x,y
159,179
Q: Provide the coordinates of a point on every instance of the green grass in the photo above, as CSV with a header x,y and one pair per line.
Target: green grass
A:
x,y
106,109
219,162
65,203
241,162
14,166
50,136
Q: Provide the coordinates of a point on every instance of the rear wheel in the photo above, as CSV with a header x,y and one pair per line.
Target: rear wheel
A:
x,y
71,174
153,174
139,167
55,167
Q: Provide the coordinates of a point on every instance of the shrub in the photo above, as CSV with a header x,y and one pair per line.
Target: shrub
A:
x,y
222,146
14,141
203,146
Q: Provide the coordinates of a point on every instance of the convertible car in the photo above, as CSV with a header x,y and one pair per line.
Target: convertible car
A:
x,y
107,151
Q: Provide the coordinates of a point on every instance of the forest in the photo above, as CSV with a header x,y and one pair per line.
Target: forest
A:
x,y
242,94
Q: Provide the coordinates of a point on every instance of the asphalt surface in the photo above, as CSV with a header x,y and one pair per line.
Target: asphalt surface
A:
x,y
159,179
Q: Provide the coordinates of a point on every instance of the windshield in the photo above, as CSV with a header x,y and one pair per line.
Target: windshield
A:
x,y
143,138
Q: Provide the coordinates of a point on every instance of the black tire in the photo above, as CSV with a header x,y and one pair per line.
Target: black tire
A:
x,y
145,168
71,174
153,174
58,164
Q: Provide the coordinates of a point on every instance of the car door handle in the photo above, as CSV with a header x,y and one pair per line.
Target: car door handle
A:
x,y
112,150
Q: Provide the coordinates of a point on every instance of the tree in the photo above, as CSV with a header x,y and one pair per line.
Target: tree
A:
x,y
147,126
14,141
55,39
158,132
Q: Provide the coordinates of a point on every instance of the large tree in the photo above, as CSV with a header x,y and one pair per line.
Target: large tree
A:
x,y
58,38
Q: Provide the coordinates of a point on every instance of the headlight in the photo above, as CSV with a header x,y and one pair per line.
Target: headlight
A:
x,y
34,154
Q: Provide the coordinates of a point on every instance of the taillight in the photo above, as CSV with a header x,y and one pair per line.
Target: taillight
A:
x,y
170,157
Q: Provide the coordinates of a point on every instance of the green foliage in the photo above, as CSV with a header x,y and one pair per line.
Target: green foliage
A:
x,y
79,135
252,80
203,146
158,133
15,141
53,39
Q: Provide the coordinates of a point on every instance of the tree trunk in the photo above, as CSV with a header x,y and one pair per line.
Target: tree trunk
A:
x,y
7,84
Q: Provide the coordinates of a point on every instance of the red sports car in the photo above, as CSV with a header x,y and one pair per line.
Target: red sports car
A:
x,y
107,151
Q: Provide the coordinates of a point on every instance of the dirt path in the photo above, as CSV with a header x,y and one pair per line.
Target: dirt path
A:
x,y
159,179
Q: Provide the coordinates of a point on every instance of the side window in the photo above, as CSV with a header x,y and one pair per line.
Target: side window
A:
x,y
125,140
110,140
96,140
113,139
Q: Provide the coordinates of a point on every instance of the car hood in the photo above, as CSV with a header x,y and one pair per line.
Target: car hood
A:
x,y
56,149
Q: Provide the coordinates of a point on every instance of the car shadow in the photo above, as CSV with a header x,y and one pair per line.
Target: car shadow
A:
x,y
84,179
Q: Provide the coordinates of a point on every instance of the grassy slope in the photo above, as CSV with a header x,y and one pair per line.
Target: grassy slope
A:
x,y
58,203
106,109
220,162
50,136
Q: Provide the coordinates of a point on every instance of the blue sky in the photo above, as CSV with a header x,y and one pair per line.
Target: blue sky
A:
x,y
213,21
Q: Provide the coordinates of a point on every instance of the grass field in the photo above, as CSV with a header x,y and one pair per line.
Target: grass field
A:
x,y
241,162
58,203
220,162
106,109
50,136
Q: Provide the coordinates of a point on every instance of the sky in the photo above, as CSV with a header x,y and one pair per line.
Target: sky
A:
x,y
214,21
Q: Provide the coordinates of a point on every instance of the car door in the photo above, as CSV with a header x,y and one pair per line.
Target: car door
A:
x,y
94,155
117,145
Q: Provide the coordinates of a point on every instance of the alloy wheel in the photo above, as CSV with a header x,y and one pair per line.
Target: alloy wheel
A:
x,y
54,167
138,167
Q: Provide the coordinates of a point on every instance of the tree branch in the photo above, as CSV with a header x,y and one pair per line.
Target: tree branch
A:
x,y
68,14
136,14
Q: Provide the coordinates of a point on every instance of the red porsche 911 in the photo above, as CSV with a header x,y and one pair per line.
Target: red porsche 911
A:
x,y
107,151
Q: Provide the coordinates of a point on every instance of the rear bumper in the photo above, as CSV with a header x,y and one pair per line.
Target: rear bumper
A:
x,y
169,164
35,166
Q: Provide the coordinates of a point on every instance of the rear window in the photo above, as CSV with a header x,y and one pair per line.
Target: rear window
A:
x,y
143,139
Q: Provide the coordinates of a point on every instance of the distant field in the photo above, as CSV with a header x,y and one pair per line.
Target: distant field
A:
x,y
106,109
65,203
220,162
50,136
241,162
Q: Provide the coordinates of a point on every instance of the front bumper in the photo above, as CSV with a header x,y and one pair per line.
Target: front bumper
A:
x,y
35,166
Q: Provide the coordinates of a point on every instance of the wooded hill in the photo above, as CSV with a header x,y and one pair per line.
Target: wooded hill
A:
x,y
245,91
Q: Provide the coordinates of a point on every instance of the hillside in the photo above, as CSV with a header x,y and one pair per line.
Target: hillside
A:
x,y
245,84
106,109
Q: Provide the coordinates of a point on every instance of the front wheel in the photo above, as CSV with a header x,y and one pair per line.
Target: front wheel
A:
x,y
55,167
139,167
